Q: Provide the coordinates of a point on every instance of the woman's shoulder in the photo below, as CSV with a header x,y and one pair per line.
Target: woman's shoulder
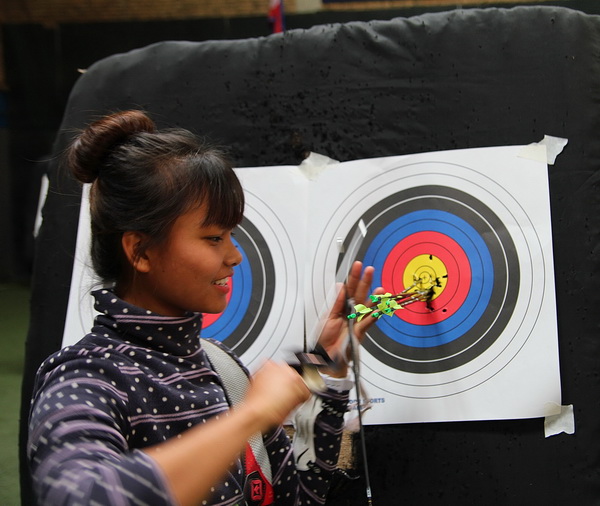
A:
x,y
93,343
94,354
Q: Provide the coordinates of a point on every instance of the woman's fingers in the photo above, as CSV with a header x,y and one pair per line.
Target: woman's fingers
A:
x,y
275,390
361,293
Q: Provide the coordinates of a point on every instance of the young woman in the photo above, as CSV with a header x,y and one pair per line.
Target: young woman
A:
x,y
135,413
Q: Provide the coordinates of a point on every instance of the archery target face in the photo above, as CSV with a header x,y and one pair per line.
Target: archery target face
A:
x,y
439,232
458,224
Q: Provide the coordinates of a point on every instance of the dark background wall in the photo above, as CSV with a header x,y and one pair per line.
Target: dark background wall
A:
x,y
458,79
488,463
42,60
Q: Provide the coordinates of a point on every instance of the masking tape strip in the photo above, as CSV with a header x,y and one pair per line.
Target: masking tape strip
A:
x,y
314,164
544,151
562,422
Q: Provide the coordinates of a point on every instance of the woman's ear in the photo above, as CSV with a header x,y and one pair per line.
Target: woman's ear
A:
x,y
132,242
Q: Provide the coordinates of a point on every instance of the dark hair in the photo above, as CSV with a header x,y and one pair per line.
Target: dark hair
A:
x,y
143,179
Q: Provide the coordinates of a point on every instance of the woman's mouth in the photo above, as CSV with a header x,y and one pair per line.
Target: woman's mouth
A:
x,y
222,285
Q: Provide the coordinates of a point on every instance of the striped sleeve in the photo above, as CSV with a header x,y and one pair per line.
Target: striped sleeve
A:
x,y
78,450
310,484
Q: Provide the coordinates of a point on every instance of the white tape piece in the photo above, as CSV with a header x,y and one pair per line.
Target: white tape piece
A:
x,y
314,164
544,151
562,422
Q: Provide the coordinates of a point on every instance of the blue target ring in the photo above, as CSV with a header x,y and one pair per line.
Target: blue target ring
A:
x,y
238,304
253,291
482,276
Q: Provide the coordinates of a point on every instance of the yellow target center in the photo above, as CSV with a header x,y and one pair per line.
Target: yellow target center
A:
x,y
425,272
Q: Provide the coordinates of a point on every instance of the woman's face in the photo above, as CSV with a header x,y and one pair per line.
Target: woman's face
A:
x,y
189,271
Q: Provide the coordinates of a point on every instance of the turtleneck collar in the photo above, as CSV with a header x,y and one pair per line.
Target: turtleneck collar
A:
x,y
168,334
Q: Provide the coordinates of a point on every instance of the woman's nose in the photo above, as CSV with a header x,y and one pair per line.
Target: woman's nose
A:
x,y
234,257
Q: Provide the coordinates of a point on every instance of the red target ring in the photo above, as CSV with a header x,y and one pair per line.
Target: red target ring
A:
x,y
457,270
210,318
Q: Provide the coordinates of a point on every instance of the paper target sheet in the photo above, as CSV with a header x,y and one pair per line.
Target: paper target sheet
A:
x,y
487,346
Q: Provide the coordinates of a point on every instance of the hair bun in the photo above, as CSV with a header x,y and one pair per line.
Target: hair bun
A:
x,y
95,143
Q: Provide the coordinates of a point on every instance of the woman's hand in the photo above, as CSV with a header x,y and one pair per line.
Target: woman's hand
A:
x,y
275,390
333,337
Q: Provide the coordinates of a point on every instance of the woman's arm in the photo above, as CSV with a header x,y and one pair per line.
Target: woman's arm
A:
x,y
193,463
79,447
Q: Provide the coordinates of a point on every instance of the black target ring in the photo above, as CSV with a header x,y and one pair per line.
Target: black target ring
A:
x,y
504,290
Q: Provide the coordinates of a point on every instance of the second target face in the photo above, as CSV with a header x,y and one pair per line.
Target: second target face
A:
x,y
445,237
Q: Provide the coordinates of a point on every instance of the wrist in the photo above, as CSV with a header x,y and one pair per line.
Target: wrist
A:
x,y
252,417
337,383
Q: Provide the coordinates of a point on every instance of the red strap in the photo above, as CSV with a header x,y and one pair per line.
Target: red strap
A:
x,y
258,490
